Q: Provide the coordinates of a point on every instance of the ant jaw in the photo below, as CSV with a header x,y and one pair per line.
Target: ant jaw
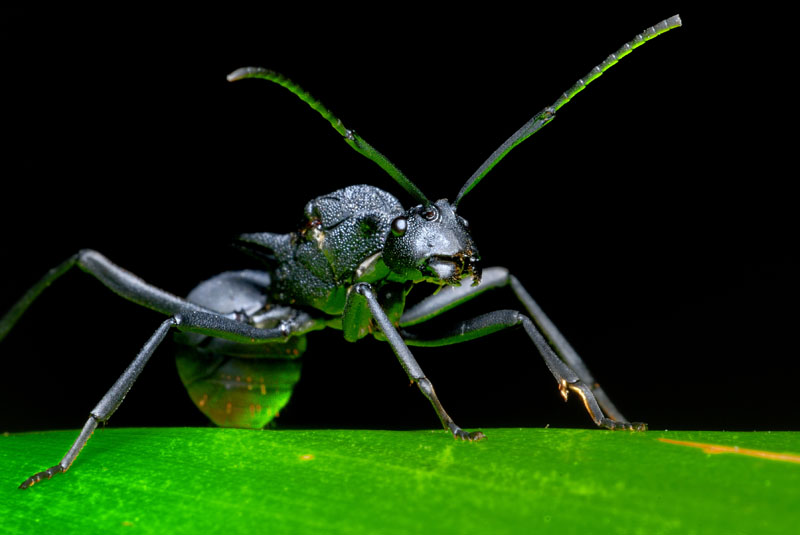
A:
x,y
444,269
475,271
452,270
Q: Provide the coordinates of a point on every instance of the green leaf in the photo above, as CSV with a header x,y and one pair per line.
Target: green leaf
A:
x,y
373,482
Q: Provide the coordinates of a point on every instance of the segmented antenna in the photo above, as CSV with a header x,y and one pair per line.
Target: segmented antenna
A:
x,y
548,114
354,140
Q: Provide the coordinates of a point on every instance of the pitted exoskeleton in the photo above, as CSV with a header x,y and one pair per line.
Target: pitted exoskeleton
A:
x,y
349,266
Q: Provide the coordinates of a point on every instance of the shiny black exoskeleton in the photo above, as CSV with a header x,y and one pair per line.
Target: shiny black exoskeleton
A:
x,y
361,231
349,267
359,234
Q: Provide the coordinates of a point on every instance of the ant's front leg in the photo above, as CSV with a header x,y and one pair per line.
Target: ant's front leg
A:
x,y
407,360
562,360
568,380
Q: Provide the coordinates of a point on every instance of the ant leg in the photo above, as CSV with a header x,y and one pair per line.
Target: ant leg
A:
x,y
498,277
10,318
120,281
409,363
564,349
211,324
110,402
568,380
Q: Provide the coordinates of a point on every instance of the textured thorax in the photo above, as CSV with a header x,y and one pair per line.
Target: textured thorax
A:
x,y
314,265
350,225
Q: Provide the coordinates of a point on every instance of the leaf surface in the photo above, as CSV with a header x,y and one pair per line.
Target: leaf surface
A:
x,y
189,480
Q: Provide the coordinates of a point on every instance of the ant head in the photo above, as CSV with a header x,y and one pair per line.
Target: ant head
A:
x,y
431,242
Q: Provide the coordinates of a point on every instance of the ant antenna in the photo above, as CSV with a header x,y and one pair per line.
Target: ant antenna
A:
x,y
354,140
548,114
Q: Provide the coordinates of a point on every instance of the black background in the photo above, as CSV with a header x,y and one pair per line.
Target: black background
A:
x,y
652,220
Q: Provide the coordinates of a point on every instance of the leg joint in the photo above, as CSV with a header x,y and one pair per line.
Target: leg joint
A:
x,y
362,288
426,387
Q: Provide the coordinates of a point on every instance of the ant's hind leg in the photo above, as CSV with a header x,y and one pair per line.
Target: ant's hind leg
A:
x,y
119,280
110,402
198,322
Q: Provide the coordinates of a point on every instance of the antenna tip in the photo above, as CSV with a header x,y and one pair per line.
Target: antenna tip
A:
x,y
245,72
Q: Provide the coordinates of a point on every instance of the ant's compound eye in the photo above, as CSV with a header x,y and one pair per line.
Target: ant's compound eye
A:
x,y
399,226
